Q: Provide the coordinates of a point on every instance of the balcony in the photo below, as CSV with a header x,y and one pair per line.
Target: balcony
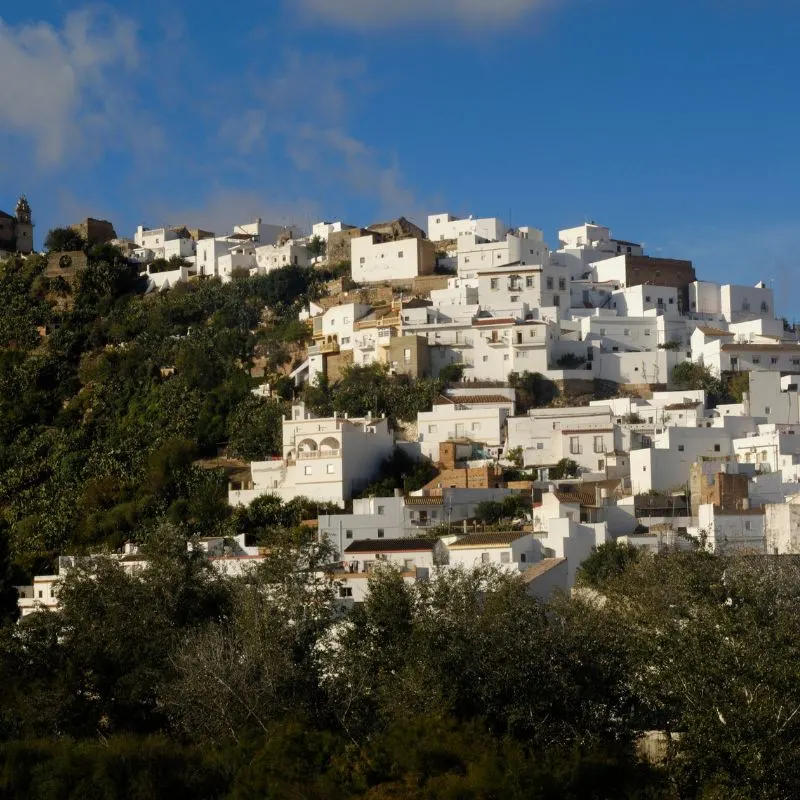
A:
x,y
327,346
311,455
500,341
452,341
365,342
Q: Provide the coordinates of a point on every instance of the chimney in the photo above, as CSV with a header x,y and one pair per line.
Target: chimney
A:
x,y
398,492
745,504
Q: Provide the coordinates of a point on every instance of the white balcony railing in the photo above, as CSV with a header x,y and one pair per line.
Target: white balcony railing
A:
x,y
307,455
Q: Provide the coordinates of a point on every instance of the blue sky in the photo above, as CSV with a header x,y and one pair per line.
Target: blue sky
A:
x,y
675,123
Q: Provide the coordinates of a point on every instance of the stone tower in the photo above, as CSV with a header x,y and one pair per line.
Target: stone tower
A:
x,y
24,226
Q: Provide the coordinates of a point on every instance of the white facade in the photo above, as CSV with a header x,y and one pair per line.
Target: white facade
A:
x,y
475,254
725,531
325,459
645,301
484,424
274,256
514,552
323,230
446,227
372,260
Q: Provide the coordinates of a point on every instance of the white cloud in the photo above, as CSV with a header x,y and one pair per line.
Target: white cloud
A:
x,y
380,13
62,87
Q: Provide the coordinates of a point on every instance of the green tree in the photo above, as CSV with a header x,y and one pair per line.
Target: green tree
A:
x,y
255,429
533,390
566,468
606,562
59,240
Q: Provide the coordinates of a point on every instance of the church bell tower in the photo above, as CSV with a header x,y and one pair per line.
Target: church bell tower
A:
x,y
23,226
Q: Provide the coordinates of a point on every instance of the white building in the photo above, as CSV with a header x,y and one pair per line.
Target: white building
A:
x,y
274,256
480,419
447,227
476,254
325,459
515,551
323,230
373,260
728,530
732,303
782,527
397,517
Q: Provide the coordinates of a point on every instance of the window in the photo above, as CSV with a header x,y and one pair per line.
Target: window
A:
x,y
485,558
626,332
540,445
757,359
602,331
681,448
432,429
485,359
381,533
556,300
747,525
493,283
407,355
598,444
40,594
345,340
716,448
672,299
574,445
361,260
505,357
409,564
550,284
330,469
773,360
476,426
515,298
400,254
381,510
562,284
307,470
601,465
745,305
523,557
768,410
764,307
505,558
345,591
529,281
348,535
647,299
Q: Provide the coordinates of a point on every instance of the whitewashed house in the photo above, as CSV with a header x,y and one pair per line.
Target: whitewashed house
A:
x,y
323,458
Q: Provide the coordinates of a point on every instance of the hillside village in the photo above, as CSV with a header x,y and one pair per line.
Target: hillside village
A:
x,y
673,418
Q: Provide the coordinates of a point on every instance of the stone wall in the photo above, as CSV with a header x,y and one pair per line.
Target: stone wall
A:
x,y
338,248
95,231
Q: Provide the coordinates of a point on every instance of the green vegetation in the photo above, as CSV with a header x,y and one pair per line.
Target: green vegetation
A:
x,y
493,512
102,421
606,563
566,468
371,390
533,390
570,361
180,682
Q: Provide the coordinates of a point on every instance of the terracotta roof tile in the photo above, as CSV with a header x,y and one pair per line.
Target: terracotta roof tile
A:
x,y
537,570
761,348
709,331
423,501
487,540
